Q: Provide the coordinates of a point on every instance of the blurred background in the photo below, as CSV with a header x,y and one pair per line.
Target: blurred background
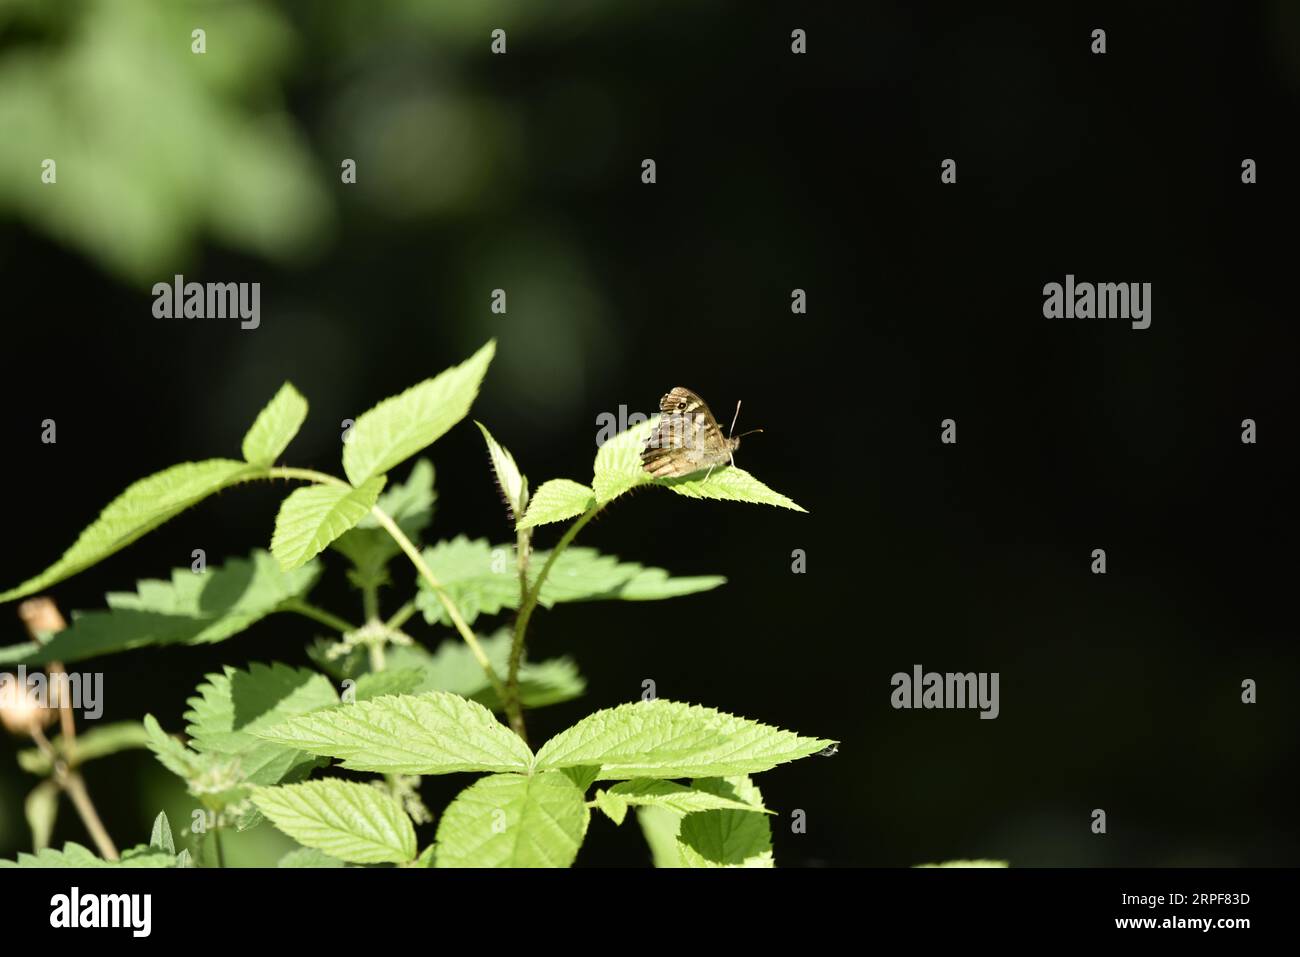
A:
x,y
775,172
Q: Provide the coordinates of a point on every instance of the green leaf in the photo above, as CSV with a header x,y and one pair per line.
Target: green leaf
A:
x,y
230,708
432,733
309,857
275,426
74,855
618,463
615,807
618,469
144,506
99,741
215,779
160,839
477,578
731,485
670,739
402,425
583,776
190,609
513,820
391,680
483,580
513,485
19,653
972,863
727,837
557,500
584,574
454,668
409,504
358,823
660,827
173,755
42,810
647,792
312,517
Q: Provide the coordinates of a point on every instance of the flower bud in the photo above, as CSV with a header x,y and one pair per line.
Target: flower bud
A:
x,y
41,616
21,710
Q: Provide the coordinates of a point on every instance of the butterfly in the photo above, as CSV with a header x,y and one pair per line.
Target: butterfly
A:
x,y
687,437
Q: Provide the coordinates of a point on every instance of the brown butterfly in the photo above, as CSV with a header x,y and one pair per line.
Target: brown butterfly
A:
x,y
687,437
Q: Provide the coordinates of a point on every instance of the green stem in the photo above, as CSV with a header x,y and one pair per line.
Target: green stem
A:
x,y
452,611
511,698
514,707
402,616
308,475
308,610
370,604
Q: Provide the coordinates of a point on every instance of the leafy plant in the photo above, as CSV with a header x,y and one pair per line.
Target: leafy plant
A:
x,y
379,702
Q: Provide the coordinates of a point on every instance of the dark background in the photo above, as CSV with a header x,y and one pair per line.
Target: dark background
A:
x,y
775,171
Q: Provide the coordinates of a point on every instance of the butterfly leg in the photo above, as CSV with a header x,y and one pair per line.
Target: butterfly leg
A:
x,y
709,472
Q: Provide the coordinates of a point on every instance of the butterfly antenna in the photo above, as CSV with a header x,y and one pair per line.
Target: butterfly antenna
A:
x,y
733,419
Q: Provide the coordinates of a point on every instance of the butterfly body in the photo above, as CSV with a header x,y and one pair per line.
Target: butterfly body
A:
x,y
687,438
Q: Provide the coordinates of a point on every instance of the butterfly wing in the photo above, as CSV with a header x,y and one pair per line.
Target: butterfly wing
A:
x,y
683,401
686,438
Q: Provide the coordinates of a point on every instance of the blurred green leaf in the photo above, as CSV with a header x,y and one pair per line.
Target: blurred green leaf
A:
x,y
157,147
96,742
42,810
191,608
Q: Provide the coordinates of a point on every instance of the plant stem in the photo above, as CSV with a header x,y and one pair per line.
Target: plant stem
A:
x,y
75,787
511,699
416,559
66,776
308,610
71,783
370,603
514,707
308,475
370,606
401,616
452,611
